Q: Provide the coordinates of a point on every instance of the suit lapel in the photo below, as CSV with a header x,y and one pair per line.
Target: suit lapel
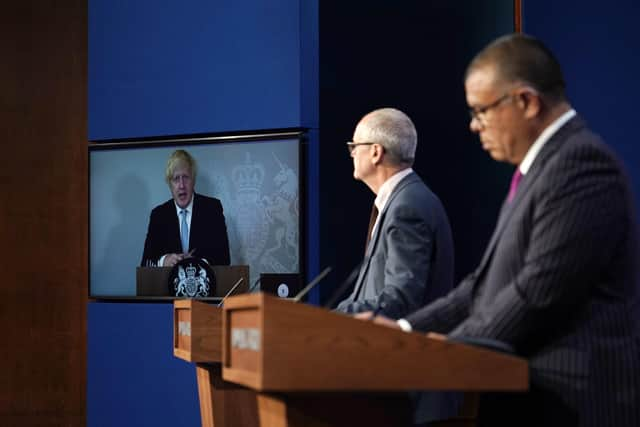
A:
x,y
175,225
374,238
528,180
194,221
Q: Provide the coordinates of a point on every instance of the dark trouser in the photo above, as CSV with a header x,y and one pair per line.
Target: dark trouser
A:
x,y
531,409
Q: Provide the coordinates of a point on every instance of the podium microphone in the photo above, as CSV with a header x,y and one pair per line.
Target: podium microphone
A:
x,y
233,288
343,287
253,287
311,284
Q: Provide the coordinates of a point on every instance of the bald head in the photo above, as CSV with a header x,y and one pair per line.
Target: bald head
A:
x,y
393,130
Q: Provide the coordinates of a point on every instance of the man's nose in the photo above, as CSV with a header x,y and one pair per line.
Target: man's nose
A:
x,y
475,125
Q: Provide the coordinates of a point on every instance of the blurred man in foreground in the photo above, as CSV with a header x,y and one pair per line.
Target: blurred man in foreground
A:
x,y
558,281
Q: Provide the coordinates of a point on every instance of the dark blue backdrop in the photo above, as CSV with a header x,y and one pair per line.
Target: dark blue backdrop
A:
x,y
597,44
166,67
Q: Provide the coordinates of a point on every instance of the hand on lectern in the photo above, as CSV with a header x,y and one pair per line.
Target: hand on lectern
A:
x,y
378,319
172,259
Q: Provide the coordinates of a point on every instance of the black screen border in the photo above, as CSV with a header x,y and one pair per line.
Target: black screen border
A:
x,y
301,134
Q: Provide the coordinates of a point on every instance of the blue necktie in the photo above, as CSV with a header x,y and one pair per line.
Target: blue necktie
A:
x,y
184,231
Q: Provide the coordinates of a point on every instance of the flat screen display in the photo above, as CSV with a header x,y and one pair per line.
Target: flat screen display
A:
x,y
256,180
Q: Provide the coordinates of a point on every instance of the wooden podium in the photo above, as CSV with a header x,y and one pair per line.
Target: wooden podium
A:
x,y
197,338
312,367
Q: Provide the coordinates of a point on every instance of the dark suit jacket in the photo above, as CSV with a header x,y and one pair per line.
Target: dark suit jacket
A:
x,y
207,235
408,263
409,259
559,283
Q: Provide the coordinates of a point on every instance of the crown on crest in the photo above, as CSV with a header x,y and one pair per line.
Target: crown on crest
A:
x,y
248,175
191,271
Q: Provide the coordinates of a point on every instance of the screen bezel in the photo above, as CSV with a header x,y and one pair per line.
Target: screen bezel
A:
x,y
177,141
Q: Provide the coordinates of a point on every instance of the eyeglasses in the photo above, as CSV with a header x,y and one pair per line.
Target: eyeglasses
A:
x,y
352,145
479,112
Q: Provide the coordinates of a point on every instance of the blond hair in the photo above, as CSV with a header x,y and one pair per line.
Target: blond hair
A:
x,y
175,159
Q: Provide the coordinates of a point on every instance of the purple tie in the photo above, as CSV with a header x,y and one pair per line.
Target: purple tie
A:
x,y
515,180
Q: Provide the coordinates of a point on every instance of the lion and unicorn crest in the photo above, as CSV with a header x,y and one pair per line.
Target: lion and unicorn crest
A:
x,y
262,223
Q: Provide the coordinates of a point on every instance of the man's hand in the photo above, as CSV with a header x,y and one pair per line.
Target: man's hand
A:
x,y
380,320
172,259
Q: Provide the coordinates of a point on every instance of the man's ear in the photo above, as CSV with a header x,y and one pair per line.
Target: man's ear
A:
x,y
530,101
377,154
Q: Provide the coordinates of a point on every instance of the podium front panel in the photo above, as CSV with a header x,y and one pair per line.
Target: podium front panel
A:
x,y
272,344
197,331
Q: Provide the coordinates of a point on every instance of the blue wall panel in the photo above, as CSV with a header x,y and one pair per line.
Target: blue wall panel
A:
x,y
167,67
597,45
133,378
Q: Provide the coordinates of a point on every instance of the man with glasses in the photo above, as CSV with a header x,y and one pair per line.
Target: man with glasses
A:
x,y
409,253
558,282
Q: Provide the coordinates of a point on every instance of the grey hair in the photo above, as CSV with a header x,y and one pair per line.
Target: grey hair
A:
x,y
394,130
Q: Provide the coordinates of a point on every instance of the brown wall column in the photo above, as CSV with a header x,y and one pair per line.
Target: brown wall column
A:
x,y
43,212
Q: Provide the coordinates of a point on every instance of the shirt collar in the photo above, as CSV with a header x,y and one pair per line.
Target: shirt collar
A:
x,y
189,207
544,137
387,187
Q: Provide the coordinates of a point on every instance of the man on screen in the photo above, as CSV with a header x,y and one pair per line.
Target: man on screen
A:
x,y
189,224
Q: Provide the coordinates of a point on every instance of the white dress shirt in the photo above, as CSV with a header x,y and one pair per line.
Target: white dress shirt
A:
x,y
385,191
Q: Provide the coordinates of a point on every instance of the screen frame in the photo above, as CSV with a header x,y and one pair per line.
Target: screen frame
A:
x,y
177,141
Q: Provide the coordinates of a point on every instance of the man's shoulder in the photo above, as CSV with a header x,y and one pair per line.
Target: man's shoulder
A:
x,y
413,189
415,199
583,149
164,207
205,202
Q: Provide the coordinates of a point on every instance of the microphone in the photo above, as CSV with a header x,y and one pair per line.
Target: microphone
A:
x,y
253,287
311,284
233,288
343,287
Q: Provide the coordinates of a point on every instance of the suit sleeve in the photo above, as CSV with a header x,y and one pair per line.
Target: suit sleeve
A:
x,y
150,255
579,218
214,244
445,313
224,256
409,238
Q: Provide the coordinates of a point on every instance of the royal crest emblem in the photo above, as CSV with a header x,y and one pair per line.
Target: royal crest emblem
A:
x,y
191,278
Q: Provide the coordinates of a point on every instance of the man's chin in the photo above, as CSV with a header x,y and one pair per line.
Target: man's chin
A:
x,y
496,155
183,202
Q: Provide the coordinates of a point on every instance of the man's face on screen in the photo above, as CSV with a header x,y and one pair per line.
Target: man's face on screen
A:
x,y
182,185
